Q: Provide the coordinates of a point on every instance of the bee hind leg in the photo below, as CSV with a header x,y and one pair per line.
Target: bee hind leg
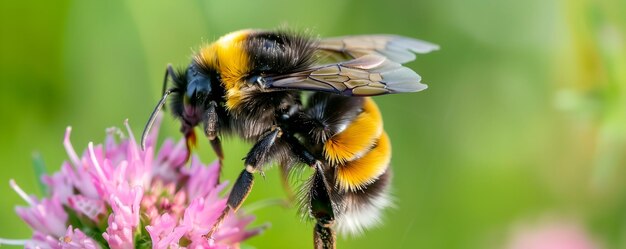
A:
x,y
322,210
320,203
323,237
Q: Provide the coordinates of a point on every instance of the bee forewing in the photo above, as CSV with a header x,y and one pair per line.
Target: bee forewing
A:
x,y
365,76
396,48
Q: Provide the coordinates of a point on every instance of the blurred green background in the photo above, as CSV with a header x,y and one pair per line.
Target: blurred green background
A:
x,y
524,118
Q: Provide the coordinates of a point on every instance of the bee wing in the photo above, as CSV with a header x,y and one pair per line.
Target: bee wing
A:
x,y
397,48
365,76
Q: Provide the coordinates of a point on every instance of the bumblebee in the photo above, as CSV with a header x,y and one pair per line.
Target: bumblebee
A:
x,y
303,102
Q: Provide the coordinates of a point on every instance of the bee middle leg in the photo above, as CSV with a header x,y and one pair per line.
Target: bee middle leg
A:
x,y
302,155
243,185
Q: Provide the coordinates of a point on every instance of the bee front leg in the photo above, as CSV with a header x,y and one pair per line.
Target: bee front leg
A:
x,y
257,156
210,130
190,139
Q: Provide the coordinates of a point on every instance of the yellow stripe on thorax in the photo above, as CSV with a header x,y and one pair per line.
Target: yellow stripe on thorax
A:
x,y
355,175
229,57
357,138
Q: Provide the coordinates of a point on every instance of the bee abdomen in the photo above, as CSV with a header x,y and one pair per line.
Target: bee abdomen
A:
x,y
361,151
358,153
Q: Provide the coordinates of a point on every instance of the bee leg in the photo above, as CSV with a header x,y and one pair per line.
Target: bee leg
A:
x,y
303,156
257,155
300,151
169,72
320,202
323,237
190,137
210,130
216,144
322,211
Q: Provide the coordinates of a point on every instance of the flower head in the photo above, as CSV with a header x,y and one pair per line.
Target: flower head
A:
x,y
117,196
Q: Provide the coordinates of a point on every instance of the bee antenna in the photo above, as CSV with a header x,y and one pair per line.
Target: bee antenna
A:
x,y
169,71
153,117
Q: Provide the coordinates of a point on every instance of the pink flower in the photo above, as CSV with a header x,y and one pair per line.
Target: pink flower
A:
x,y
75,239
117,196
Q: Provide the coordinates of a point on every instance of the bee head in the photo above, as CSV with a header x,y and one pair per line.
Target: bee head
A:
x,y
193,90
198,87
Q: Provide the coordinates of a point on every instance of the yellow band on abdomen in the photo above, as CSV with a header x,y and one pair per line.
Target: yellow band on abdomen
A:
x,y
357,138
355,175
